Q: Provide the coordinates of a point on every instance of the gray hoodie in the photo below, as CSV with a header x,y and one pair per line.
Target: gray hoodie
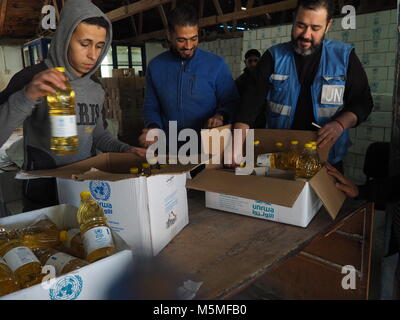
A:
x,y
17,109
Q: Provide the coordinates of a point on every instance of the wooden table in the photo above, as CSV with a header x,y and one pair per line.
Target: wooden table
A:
x,y
228,252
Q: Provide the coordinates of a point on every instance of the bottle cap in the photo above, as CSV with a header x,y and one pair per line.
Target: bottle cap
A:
x,y
63,235
134,170
279,144
256,142
294,142
85,195
313,143
145,165
61,69
242,165
314,147
308,145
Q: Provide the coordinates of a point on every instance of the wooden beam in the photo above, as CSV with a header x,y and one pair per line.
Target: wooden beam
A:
x,y
250,4
163,16
220,12
134,8
3,9
257,11
238,6
140,23
213,20
173,5
201,8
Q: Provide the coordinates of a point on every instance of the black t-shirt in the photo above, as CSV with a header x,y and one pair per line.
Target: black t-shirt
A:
x,y
357,95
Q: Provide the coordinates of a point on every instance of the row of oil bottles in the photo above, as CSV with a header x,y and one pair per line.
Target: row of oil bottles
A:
x,y
304,163
148,169
24,251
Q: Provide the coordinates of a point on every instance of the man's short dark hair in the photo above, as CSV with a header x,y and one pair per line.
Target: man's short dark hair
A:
x,y
251,53
329,5
183,15
97,21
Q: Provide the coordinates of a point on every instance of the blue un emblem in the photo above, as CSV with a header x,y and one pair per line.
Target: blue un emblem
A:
x,y
100,190
67,288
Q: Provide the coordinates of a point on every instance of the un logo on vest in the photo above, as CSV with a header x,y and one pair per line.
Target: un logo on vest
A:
x,y
67,288
100,190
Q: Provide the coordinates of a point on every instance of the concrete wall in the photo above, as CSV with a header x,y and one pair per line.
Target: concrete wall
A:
x,y
10,63
153,49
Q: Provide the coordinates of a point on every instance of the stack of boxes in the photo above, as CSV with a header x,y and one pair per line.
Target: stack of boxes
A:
x,y
230,50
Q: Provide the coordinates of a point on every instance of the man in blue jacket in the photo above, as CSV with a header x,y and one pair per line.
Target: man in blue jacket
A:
x,y
188,85
310,79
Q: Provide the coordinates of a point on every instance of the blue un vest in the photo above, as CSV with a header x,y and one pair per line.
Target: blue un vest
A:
x,y
327,90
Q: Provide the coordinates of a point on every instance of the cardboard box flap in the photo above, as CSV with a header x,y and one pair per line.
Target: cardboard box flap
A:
x,y
265,189
324,186
110,166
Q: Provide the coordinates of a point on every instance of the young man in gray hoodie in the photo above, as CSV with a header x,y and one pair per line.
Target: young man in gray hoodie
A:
x,y
80,43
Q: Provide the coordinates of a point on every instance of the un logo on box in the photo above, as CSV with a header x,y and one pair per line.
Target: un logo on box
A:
x,y
100,190
67,288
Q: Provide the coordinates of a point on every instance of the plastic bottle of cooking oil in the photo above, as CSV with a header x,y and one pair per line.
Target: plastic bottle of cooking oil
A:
x,y
293,155
309,163
8,282
21,260
43,233
276,160
146,171
64,133
97,238
134,170
62,262
74,244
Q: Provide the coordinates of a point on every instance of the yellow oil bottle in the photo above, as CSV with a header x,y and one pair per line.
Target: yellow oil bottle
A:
x,y
276,160
74,244
42,234
8,282
64,133
146,170
21,260
96,234
62,262
293,155
308,164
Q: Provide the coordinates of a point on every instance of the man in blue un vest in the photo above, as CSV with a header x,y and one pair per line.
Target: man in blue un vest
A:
x,y
310,79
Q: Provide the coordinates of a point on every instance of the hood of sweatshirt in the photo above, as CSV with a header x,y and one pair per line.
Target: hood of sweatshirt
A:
x,y
72,14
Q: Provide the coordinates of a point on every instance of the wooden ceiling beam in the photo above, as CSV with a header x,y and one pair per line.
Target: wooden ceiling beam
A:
x,y
250,4
163,16
213,20
220,12
134,8
3,9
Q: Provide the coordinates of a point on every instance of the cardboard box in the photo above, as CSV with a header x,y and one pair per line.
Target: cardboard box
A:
x,y
93,282
146,212
293,202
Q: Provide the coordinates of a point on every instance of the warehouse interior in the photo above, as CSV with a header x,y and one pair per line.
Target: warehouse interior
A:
x,y
228,29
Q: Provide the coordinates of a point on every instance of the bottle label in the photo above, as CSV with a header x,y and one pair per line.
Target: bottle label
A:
x,y
71,233
97,238
59,261
18,257
264,160
63,126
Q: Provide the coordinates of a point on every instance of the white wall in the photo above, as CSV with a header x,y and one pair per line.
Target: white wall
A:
x,y
10,63
153,49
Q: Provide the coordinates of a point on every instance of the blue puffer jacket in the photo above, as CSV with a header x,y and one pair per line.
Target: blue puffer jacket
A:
x,y
189,92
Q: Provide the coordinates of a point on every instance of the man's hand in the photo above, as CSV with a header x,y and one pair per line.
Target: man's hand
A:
x,y
329,133
342,183
216,121
140,152
236,154
142,139
45,83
